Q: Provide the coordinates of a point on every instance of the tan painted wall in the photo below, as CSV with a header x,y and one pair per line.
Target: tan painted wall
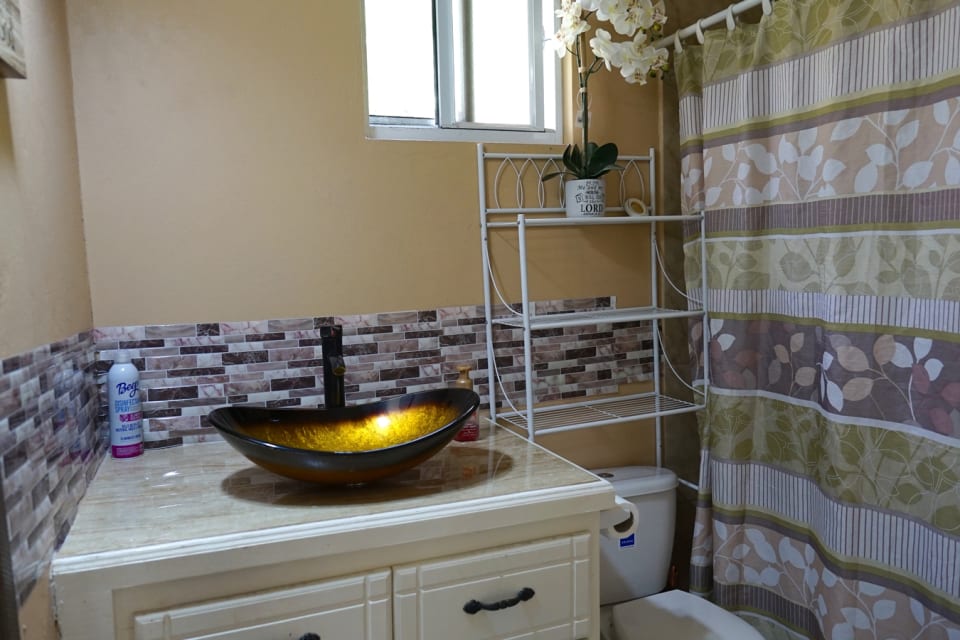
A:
x,y
226,175
44,295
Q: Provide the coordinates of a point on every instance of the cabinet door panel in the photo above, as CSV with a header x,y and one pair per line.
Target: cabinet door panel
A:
x,y
429,598
354,608
345,624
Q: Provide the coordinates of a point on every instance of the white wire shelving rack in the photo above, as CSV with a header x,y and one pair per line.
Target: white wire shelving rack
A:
x,y
513,198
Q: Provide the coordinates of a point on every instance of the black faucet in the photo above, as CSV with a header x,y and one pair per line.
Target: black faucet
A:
x,y
331,342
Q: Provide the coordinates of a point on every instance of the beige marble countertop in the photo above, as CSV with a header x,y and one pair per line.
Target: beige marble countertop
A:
x,y
208,490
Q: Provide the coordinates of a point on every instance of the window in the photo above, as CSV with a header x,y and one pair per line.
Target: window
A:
x,y
476,70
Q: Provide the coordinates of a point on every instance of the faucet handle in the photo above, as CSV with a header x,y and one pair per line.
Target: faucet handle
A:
x,y
331,331
337,365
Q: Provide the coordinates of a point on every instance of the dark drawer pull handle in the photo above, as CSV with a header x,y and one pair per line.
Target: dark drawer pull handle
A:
x,y
474,606
309,636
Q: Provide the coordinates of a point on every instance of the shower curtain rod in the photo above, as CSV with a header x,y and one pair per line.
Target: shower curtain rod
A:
x,y
728,15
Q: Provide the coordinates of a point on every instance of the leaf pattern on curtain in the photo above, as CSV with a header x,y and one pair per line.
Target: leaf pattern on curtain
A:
x,y
794,28
823,146
883,150
918,266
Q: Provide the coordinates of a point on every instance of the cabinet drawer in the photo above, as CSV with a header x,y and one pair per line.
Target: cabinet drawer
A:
x,y
352,608
429,598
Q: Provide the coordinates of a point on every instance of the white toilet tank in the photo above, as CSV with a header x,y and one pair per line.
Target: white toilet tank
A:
x,y
638,565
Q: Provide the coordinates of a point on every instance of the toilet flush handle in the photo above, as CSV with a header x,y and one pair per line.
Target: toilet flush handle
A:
x,y
621,521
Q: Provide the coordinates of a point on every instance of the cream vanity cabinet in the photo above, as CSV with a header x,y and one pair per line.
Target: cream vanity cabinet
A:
x,y
546,585
355,606
492,539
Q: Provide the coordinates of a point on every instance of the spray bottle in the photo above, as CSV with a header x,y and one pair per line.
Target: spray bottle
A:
x,y
126,424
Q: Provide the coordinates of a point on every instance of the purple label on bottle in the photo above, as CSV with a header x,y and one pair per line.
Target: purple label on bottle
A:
x,y
127,451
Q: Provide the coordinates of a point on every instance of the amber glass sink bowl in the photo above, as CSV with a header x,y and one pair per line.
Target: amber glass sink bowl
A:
x,y
347,445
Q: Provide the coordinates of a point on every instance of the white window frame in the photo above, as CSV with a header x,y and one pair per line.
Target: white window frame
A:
x,y
450,93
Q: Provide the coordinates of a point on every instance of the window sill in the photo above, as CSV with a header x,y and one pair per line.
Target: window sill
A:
x,y
386,132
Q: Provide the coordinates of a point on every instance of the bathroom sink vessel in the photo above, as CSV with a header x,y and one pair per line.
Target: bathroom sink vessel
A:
x,y
347,445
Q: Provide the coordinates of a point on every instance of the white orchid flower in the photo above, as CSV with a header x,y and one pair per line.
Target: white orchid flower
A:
x,y
570,13
606,49
639,58
659,13
633,15
572,25
633,73
661,64
607,8
657,17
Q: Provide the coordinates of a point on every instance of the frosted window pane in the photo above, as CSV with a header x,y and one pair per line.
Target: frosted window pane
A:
x,y
501,62
399,46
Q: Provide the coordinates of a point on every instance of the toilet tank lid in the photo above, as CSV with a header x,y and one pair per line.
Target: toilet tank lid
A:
x,y
638,481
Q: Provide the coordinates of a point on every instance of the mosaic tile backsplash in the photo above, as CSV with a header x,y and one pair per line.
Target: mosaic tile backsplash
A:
x,y
50,447
187,370
53,425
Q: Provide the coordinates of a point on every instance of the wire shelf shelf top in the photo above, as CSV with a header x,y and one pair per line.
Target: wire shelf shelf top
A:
x,y
582,415
598,316
584,221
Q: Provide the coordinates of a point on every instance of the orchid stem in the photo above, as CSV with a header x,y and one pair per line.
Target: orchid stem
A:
x,y
583,76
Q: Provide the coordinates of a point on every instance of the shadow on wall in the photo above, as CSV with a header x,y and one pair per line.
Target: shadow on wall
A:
x,y
7,167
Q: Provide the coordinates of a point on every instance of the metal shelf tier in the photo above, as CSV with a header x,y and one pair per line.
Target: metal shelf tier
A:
x,y
598,316
580,222
594,413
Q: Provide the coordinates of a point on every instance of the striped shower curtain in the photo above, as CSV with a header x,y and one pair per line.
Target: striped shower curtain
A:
x,y
823,145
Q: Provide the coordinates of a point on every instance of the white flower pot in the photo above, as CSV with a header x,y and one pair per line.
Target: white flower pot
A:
x,y
585,198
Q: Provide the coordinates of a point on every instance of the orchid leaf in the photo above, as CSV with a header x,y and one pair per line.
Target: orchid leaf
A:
x,y
592,162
